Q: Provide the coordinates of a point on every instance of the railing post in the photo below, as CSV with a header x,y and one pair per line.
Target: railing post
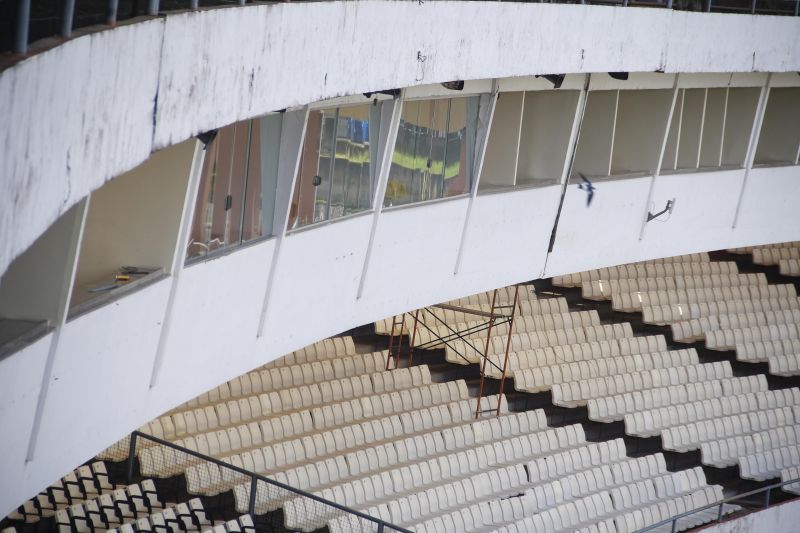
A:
x,y
152,8
193,4
797,8
753,8
23,21
380,527
674,525
251,506
111,16
131,457
669,4
708,6
766,503
66,18
719,514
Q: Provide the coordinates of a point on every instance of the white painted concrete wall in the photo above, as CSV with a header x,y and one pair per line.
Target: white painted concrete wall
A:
x,y
780,518
191,72
104,360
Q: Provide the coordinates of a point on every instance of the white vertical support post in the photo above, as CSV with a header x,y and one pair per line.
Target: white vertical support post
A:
x,y
755,133
724,121
293,131
657,171
702,127
679,131
179,254
613,133
486,117
79,222
388,137
569,159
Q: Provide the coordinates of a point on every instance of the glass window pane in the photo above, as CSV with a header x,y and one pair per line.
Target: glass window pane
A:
x,y
335,166
434,150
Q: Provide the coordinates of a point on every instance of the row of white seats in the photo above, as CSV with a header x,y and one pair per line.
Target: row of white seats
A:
x,y
505,295
412,510
111,508
450,466
631,302
690,436
789,267
256,434
791,473
634,508
604,289
538,379
694,330
662,315
726,452
639,270
615,407
573,353
785,365
451,421
769,464
325,349
727,339
285,377
259,406
433,315
578,393
748,250
650,423
465,352
189,517
243,524
772,256
84,483
523,323
760,352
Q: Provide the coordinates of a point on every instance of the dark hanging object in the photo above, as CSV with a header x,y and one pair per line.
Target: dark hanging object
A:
x,y
454,85
206,137
555,79
622,76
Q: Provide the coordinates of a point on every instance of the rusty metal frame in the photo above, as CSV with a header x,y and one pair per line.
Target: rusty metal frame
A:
x,y
497,316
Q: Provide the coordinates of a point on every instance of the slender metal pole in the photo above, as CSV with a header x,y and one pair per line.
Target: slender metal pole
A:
x,y
508,347
708,6
152,8
194,4
66,18
131,457
251,506
413,339
719,513
669,4
797,8
753,8
486,356
674,525
111,16
23,21
624,3
766,503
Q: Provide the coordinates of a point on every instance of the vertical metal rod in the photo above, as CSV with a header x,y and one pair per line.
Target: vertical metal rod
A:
x,y
380,527
111,15
753,8
66,18
23,21
413,339
486,355
708,6
766,504
242,2
193,4
674,520
719,513
669,6
624,3
251,505
797,8
131,457
152,8
508,347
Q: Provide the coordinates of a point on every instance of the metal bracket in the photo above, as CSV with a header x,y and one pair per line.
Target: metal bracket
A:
x,y
667,209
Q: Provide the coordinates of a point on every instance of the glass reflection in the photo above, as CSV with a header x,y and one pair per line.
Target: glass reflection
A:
x,y
336,172
434,150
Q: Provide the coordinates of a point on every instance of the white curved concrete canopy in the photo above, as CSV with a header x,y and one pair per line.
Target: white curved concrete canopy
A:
x,y
98,105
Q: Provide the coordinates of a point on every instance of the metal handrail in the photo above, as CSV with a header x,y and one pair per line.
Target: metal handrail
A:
x,y
674,520
20,44
382,525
